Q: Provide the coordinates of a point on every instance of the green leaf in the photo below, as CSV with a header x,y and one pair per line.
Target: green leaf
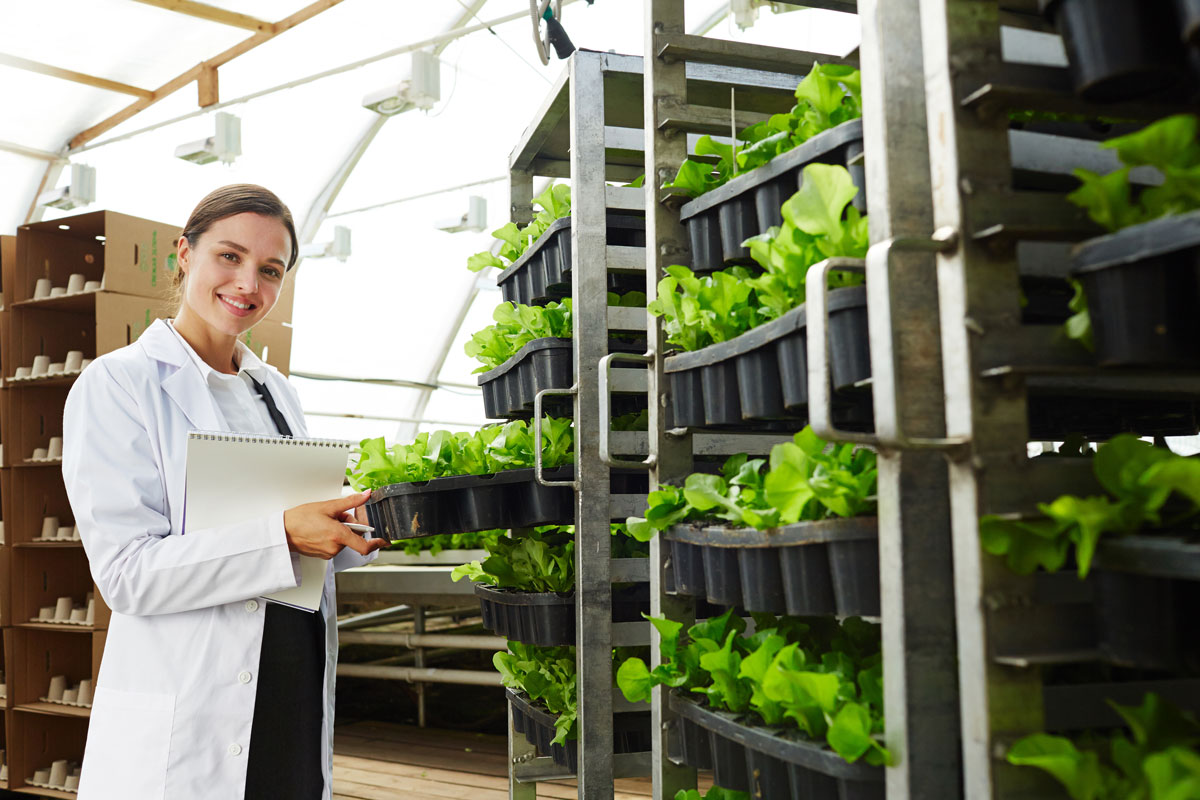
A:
x,y
816,209
634,680
850,732
1078,771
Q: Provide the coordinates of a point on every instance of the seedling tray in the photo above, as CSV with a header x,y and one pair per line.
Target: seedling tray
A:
x,y
719,221
543,272
509,499
762,375
809,568
631,731
547,619
509,389
769,762
1143,287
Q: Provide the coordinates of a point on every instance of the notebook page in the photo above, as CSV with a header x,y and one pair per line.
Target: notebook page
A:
x,y
233,478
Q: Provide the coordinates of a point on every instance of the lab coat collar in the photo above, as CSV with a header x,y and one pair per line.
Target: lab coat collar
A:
x,y
185,386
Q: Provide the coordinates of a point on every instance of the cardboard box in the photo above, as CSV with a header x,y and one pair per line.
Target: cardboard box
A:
x,y
35,332
276,339
131,255
31,415
33,657
36,740
33,495
41,575
8,265
120,319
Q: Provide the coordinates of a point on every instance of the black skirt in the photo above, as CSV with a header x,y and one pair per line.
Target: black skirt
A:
x,y
285,741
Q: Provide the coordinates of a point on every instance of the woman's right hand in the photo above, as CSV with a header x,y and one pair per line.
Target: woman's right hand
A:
x,y
314,529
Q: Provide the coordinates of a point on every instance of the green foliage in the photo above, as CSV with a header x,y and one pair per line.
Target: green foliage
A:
x,y
1171,147
714,793
475,540
633,421
539,559
1138,478
805,479
1159,762
547,675
442,453
555,203
819,223
518,325
813,674
828,96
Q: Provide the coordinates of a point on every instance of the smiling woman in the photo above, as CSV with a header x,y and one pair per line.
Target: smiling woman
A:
x,y
204,690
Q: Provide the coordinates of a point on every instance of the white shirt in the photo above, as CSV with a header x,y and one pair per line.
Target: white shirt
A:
x,y
238,402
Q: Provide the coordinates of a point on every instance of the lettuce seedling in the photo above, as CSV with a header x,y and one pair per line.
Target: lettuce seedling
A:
x,y
554,202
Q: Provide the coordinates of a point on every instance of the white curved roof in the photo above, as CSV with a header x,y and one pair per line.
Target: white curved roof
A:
x,y
392,308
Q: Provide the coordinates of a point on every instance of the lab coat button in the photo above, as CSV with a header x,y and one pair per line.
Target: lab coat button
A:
x,y
252,606
235,749
244,677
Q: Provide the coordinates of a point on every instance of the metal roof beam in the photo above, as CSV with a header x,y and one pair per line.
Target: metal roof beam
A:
x,y
212,14
70,75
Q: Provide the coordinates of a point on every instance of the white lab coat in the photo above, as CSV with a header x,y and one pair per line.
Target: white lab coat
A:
x,y
174,700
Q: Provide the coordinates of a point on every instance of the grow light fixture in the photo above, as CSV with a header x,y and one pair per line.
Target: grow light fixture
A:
x,y
421,90
474,220
339,248
224,146
80,192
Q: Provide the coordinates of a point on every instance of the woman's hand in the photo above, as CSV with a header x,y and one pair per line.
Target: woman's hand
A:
x,y
313,529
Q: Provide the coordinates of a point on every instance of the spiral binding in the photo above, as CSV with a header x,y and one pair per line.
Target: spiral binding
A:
x,y
251,438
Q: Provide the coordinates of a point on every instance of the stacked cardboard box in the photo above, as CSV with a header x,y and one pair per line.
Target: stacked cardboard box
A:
x,y
53,618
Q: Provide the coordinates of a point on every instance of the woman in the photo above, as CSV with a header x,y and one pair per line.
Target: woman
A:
x,y
206,690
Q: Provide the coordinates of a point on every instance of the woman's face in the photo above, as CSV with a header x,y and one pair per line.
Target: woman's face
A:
x,y
235,271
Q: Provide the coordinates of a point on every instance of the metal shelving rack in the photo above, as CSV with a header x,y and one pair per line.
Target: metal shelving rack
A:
x,y
916,570
1010,627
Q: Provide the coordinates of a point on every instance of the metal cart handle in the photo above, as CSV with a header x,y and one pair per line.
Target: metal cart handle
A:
x,y
537,436
606,455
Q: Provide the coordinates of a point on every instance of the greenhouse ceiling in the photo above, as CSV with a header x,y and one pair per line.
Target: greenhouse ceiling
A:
x,y
118,85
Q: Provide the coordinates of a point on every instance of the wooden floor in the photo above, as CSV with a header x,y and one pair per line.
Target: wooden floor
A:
x,y
382,761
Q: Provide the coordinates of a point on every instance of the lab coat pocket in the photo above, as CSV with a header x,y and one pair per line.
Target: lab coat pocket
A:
x,y
128,745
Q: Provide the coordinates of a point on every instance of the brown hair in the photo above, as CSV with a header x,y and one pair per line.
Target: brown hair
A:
x,y
228,201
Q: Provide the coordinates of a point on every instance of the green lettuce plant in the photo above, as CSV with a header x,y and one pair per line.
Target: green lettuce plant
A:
x,y
828,96
554,202
547,675
1138,479
1159,761
474,540
805,479
819,223
816,675
714,793
539,559
444,453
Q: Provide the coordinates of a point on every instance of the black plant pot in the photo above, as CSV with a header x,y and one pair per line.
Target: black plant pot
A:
x,y
1142,286
762,580
854,564
807,583
688,565
768,776
1146,622
849,337
1118,49
729,763
722,576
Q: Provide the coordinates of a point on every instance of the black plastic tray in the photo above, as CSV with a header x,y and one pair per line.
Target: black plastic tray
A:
x,y
1147,622
1142,286
509,389
769,763
762,375
543,272
719,221
547,619
509,499
631,731
809,568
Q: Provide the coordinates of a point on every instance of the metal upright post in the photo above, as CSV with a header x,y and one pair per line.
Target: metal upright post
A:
x,y
916,570
978,290
665,85
593,536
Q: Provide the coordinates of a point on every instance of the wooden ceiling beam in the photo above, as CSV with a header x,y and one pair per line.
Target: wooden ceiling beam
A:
x,y
177,83
212,14
70,75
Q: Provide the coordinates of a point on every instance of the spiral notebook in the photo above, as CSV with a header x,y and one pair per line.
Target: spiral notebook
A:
x,y
234,477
